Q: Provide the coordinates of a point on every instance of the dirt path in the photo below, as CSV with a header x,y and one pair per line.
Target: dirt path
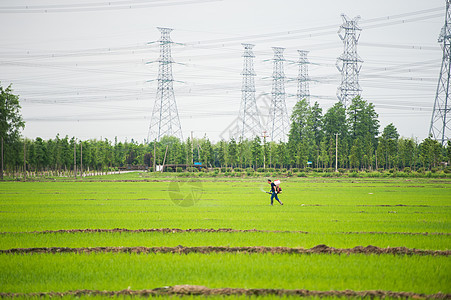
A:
x,y
181,290
319,249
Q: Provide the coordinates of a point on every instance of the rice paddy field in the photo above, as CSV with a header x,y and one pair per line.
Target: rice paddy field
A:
x,y
138,235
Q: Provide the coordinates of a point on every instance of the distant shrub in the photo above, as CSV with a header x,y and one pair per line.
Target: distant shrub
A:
x,y
302,174
407,170
294,170
447,170
341,170
238,169
374,174
400,174
353,174
434,170
420,170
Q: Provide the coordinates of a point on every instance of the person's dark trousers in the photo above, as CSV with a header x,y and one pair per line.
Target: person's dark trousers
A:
x,y
272,197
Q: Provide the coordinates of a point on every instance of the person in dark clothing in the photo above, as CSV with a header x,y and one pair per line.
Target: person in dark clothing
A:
x,y
274,192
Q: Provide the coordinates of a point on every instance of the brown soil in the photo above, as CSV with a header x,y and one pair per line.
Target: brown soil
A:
x,y
319,249
210,230
182,290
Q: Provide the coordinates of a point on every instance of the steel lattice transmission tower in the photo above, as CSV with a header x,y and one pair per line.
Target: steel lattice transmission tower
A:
x,y
278,123
440,125
165,118
303,78
349,63
249,120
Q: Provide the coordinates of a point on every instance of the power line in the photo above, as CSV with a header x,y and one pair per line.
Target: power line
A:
x,y
93,7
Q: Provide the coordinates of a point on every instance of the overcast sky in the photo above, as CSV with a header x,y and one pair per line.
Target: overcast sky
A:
x,y
81,67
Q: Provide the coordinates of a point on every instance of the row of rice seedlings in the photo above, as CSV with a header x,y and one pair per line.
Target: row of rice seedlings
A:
x,y
232,239
72,206
108,271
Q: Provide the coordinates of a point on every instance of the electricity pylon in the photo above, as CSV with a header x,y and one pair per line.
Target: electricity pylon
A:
x,y
349,63
278,123
249,120
440,125
165,118
303,78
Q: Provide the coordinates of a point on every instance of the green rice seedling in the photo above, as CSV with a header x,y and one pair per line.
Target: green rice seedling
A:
x,y
117,271
232,239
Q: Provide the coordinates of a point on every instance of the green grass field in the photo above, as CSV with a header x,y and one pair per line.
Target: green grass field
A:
x,y
337,212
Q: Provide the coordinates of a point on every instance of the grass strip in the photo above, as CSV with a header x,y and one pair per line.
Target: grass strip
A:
x,y
195,290
192,238
322,272
319,249
209,230
311,206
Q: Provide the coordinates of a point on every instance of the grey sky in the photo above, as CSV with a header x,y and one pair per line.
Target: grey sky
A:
x,y
80,68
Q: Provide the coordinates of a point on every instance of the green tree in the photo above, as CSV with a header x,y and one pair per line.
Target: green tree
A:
x,y
299,121
189,151
355,156
390,139
222,152
407,152
334,121
11,122
362,120
207,152
324,156
430,152
300,138
232,153
257,152
316,123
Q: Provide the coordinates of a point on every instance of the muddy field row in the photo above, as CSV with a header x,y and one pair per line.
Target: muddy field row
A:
x,y
208,230
190,290
319,249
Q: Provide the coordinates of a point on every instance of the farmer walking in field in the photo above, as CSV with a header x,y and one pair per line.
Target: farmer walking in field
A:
x,y
274,191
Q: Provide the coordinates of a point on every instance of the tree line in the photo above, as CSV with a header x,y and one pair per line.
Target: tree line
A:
x,y
345,138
